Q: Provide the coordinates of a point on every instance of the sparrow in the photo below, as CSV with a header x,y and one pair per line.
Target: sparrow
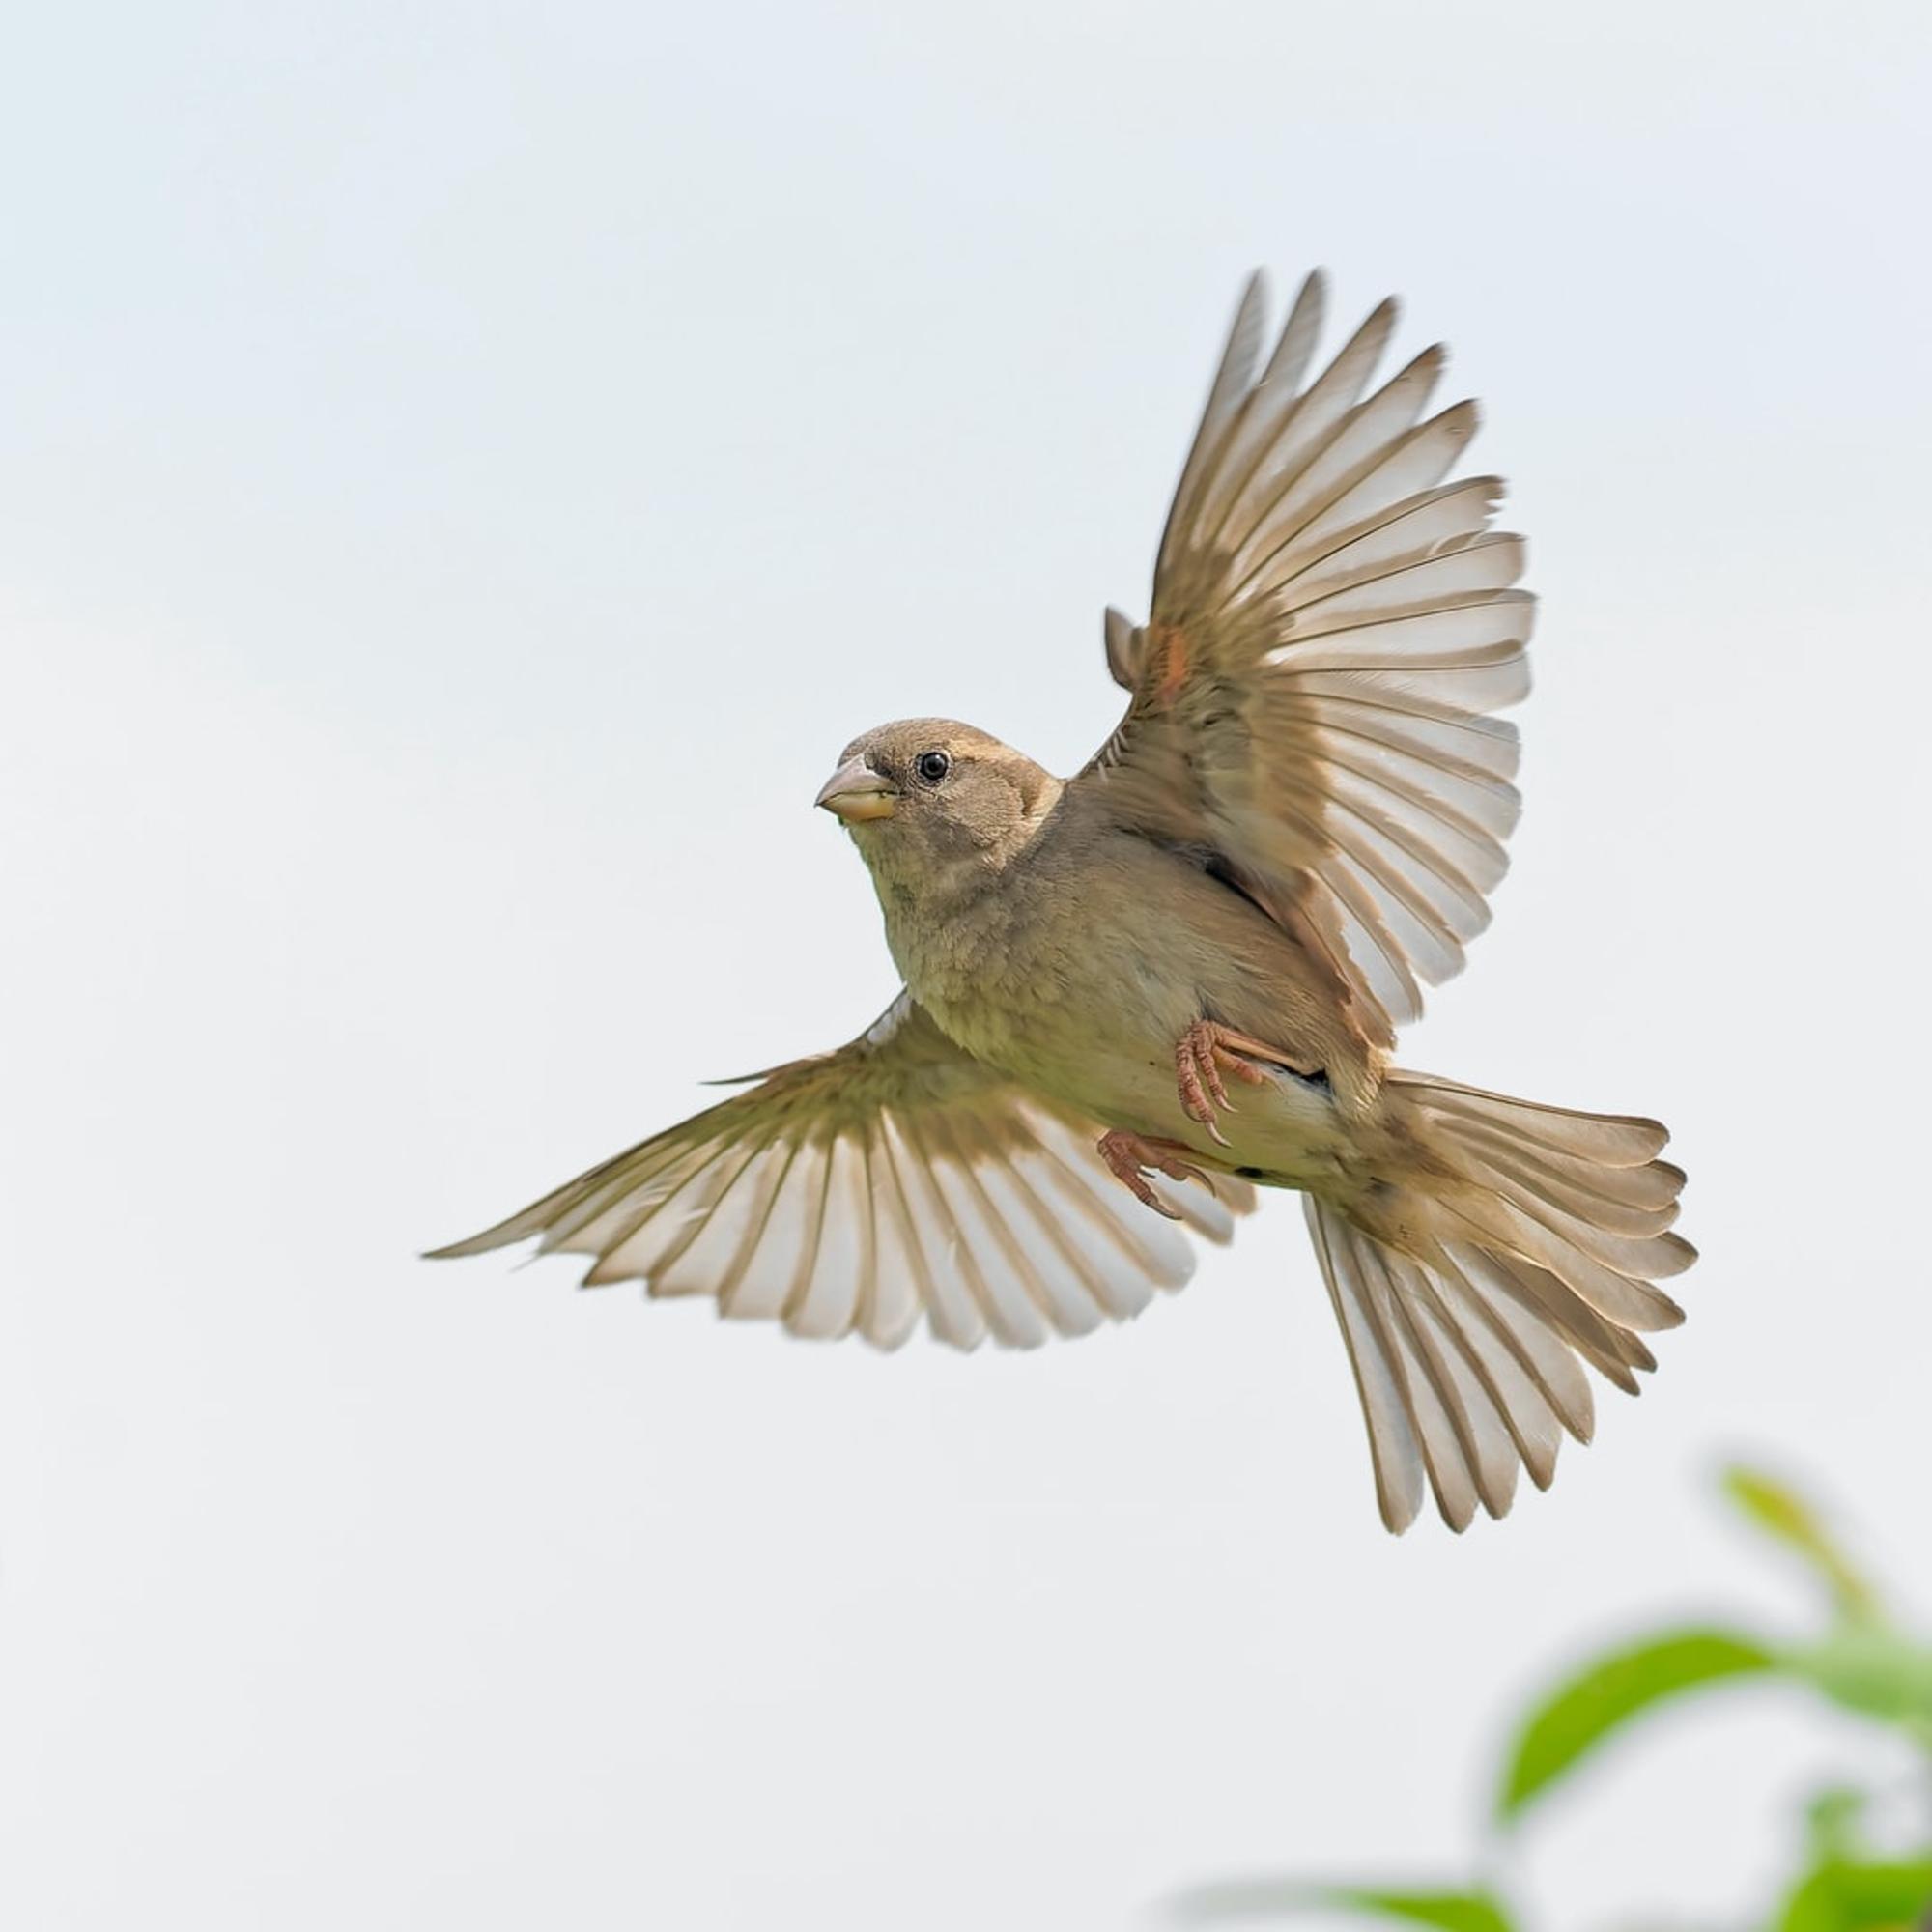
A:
x,y
1134,997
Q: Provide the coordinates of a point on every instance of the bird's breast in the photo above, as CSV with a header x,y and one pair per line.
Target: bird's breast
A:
x,y
1080,982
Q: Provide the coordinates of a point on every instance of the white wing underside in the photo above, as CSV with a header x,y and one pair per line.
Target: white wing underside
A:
x,y
894,1182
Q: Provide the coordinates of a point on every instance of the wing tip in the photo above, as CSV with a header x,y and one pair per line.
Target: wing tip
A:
x,y
490,1239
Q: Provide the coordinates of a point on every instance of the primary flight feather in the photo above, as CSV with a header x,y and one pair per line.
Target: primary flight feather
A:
x,y
1133,995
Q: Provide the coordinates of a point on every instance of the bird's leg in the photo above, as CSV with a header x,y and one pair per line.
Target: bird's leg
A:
x,y
1200,1053
1130,1157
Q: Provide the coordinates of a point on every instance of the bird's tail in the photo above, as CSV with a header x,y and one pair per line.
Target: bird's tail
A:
x,y
1509,1244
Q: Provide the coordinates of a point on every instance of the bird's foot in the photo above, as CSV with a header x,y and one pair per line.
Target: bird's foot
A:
x,y
1131,1158
1203,1051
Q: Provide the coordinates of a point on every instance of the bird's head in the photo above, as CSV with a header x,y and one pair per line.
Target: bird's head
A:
x,y
923,794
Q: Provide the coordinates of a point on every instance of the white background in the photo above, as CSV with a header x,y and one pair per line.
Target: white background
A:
x,y
464,473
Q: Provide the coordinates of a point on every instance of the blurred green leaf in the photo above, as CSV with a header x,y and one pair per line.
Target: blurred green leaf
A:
x,y
1787,1518
1842,1897
1580,1713
1832,1819
1450,1910
1447,1910
1871,1670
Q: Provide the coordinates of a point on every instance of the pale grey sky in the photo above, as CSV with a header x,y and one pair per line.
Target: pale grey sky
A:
x,y
464,473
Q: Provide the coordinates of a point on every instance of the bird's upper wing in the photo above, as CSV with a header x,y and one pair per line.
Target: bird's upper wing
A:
x,y
854,1192
1332,625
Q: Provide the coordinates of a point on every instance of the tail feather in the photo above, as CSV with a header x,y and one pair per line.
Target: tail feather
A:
x,y
1525,1243
1615,1354
1627,1299
1536,1384
1381,1379
1633,1200
1475,1459
1604,1140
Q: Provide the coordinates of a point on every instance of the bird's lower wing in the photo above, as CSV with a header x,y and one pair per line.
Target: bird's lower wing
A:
x,y
858,1192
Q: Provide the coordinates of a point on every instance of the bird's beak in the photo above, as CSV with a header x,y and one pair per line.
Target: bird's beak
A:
x,y
856,791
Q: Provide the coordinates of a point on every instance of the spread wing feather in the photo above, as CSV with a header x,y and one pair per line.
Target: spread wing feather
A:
x,y
864,1190
1333,625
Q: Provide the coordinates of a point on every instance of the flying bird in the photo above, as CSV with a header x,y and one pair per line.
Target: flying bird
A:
x,y
1135,996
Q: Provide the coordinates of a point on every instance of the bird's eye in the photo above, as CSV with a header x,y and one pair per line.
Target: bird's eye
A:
x,y
929,767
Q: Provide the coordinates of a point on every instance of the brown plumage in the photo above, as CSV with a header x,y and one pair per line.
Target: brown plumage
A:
x,y
1182,970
